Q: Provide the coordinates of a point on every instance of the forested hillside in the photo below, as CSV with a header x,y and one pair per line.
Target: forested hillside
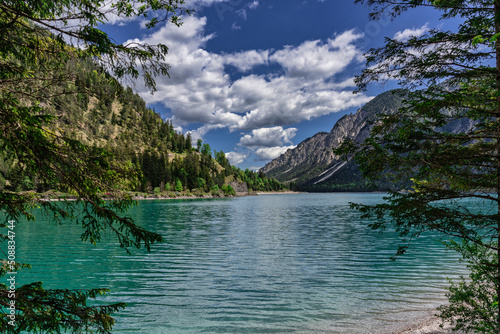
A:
x,y
92,108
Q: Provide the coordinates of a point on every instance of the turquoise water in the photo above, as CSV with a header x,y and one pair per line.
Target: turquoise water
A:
x,y
267,264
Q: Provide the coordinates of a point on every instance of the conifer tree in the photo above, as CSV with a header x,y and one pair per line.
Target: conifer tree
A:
x,y
449,78
33,55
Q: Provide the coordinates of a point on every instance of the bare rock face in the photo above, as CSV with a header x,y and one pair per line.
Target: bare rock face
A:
x,y
313,166
313,161
239,187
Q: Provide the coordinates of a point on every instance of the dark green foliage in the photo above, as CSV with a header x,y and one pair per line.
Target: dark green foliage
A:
x,y
46,91
51,311
197,171
451,78
206,150
228,190
473,298
178,185
67,125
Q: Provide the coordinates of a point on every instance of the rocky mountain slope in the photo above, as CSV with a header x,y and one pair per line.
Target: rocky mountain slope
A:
x,y
89,107
312,164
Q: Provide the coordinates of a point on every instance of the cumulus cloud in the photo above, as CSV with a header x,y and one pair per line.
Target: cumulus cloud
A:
x,y
200,91
112,17
315,59
269,143
201,131
245,61
302,87
236,158
405,35
268,137
281,101
269,153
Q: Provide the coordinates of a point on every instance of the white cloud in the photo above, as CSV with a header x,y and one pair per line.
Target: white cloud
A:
x,y
112,17
243,13
284,101
246,60
268,137
200,91
405,35
201,131
204,3
253,5
301,88
178,129
269,153
315,59
236,158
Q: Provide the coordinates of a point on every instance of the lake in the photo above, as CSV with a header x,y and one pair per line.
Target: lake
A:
x,y
298,263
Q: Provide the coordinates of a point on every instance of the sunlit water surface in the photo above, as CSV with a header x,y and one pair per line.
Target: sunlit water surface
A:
x,y
300,263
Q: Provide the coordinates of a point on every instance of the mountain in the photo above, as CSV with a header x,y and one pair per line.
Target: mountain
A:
x,y
90,107
313,166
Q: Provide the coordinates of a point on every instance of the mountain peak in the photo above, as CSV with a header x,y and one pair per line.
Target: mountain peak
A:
x,y
312,164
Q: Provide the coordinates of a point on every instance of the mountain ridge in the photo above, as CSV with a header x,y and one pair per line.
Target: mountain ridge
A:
x,y
91,108
312,165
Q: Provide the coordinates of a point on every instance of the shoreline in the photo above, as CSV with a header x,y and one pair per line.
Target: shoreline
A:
x,y
238,194
287,192
428,324
71,198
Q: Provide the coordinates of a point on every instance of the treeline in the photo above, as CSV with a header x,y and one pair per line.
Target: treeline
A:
x,y
94,109
254,181
196,170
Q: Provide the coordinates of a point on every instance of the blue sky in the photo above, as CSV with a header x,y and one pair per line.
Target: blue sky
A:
x,y
256,77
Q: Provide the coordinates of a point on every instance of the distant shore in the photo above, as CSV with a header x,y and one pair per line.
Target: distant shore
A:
x,y
287,192
207,196
172,195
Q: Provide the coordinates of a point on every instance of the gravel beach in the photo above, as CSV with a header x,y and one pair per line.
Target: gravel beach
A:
x,y
429,325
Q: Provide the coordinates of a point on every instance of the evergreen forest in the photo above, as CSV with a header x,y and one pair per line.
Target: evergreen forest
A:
x,y
94,109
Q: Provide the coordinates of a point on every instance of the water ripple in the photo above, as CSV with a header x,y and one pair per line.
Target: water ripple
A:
x,y
268,264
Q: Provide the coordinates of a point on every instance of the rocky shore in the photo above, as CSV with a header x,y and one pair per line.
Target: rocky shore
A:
x,y
427,325
192,196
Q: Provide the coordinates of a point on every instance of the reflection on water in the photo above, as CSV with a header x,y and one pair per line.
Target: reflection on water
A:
x,y
268,264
